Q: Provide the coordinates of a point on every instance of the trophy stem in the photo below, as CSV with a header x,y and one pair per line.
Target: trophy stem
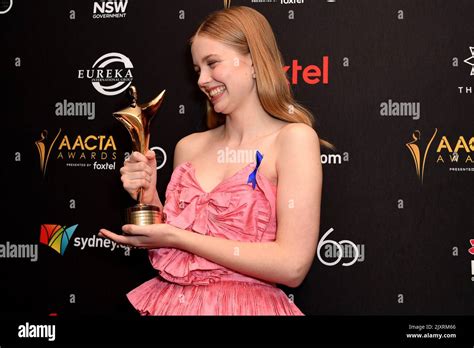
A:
x,y
140,195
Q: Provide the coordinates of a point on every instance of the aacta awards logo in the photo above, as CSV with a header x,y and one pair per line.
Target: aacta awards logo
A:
x,y
110,75
471,251
97,152
56,237
419,156
44,150
454,152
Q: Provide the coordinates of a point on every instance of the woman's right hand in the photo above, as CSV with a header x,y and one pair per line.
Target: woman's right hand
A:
x,y
140,171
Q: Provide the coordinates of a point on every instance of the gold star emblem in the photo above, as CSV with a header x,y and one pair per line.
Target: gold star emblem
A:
x,y
470,60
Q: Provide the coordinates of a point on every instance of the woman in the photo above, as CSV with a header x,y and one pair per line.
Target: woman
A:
x,y
232,231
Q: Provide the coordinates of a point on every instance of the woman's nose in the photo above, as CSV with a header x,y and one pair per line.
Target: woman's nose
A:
x,y
204,78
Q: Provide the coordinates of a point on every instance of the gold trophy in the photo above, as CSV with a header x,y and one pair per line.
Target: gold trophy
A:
x,y
137,118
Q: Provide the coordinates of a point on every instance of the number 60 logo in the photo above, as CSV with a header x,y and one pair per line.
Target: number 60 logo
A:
x,y
323,241
5,6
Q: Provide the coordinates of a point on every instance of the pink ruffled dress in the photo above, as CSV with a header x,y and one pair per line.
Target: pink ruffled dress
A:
x,y
191,285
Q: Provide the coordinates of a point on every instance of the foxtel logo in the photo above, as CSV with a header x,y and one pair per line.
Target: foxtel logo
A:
x,y
311,74
57,237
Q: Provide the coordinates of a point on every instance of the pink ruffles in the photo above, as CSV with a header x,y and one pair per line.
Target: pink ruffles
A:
x,y
232,210
156,297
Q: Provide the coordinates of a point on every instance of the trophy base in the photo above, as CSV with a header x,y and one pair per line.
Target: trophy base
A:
x,y
144,214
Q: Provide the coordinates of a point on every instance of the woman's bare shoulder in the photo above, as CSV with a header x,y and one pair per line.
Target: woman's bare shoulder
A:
x,y
191,145
294,131
296,140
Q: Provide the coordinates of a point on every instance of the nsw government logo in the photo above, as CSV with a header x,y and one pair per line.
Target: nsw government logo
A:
x,y
105,9
111,74
57,237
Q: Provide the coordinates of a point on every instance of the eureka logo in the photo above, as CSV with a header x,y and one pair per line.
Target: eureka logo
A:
x,y
57,237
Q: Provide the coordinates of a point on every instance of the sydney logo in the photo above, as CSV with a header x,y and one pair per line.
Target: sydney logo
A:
x,y
56,237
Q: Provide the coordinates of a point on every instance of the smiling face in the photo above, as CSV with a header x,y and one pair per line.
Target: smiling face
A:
x,y
225,75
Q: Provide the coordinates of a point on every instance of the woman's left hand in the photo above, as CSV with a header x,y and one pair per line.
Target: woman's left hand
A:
x,y
145,237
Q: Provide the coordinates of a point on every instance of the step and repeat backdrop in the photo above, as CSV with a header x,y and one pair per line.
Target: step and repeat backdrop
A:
x,y
389,82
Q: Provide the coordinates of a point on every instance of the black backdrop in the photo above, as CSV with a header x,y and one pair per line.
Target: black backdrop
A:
x,y
394,69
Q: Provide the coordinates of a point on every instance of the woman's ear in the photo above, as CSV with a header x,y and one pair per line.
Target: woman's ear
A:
x,y
251,65
248,59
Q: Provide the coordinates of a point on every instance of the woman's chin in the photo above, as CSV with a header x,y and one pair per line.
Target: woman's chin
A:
x,y
218,109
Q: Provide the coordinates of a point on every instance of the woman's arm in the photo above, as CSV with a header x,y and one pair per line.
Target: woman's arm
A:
x,y
266,261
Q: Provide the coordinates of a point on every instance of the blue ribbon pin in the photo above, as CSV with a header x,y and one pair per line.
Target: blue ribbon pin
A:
x,y
253,175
